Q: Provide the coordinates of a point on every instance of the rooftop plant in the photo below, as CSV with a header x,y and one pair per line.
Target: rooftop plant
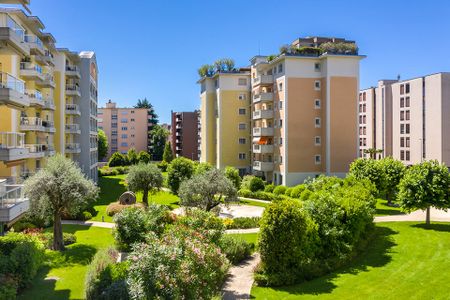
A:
x,y
220,65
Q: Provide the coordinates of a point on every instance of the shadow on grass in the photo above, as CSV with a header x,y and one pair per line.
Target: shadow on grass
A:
x,y
43,287
388,212
376,254
76,254
443,227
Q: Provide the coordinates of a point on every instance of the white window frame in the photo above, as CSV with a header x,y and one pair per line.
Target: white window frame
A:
x,y
315,103
317,162
317,137
315,122
239,126
317,88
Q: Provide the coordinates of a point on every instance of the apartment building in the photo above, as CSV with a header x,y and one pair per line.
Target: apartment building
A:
x,y
184,136
409,118
125,128
301,106
225,120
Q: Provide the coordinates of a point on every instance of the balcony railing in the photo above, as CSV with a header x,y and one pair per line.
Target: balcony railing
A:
x,y
13,203
73,148
34,42
12,140
73,109
263,131
30,67
263,79
8,81
72,87
263,114
72,68
262,97
31,123
14,26
73,128
263,166
262,148
49,125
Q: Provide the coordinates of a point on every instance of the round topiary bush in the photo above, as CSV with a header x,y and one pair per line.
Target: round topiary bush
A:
x,y
297,191
269,188
279,190
289,191
252,183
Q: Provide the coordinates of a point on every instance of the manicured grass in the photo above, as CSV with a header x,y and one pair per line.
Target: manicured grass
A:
x,y
406,260
253,203
382,209
248,237
63,275
111,187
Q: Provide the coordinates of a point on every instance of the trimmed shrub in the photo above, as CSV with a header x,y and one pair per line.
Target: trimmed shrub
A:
x,y
115,207
287,242
235,249
246,193
242,222
233,175
180,265
163,166
21,256
269,188
297,191
279,190
252,183
289,191
118,159
180,169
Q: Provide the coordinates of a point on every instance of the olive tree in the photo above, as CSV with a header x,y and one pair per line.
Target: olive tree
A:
x,y
146,178
425,185
60,187
207,190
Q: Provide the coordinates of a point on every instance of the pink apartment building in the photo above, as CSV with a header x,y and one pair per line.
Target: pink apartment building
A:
x,y
124,127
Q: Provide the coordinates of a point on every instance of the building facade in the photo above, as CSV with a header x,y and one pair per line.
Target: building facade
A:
x,y
125,128
184,136
296,113
409,119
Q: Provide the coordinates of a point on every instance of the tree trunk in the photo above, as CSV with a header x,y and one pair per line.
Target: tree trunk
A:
x,y
58,242
428,216
145,197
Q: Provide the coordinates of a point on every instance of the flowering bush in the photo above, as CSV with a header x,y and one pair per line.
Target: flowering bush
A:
x,y
182,264
205,223
235,249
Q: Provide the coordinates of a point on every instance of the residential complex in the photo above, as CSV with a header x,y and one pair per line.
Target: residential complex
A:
x,y
125,128
184,134
407,119
48,104
287,118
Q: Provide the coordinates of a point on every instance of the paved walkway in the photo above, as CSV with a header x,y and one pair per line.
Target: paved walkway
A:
x,y
233,211
89,223
240,279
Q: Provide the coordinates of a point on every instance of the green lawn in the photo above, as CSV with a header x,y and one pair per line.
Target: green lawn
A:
x,y
248,237
63,275
111,187
405,261
253,203
382,209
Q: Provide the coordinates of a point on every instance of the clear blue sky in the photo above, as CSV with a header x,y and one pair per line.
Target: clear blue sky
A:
x,y
153,48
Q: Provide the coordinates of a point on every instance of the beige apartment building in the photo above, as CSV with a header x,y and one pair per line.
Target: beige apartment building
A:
x,y
303,112
410,118
125,128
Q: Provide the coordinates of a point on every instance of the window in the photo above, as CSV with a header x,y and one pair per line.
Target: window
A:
x,y
317,159
407,102
402,155
407,88
281,141
242,111
124,112
242,156
124,128
402,142
317,141
402,116
132,111
317,67
113,125
132,135
242,126
280,123
407,129
280,104
317,122
281,159
407,142
124,144
114,117
407,157
407,115
124,136
216,83
280,86
317,103
242,97
132,120
317,85
242,81
402,128
402,102
280,68
242,141
124,120
364,119
402,89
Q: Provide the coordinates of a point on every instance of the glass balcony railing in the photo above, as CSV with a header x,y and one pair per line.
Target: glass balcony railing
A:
x,y
7,81
12,140
72,87
14,26
34,40
30,67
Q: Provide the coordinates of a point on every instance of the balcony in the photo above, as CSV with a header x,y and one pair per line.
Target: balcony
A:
x,y
263,80
35,98
73,71
49,150
262,148
12,36
263,114
12,91
31,124
12,146
263,166
73,90
73,148
13,203
262,131
47,81
31,71
35,150
49,104
262,97
48,58
73,128
73,109
35,44
49,126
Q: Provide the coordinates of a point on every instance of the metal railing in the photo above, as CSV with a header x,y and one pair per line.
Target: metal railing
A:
x,y
72,87
14,26
12,140
32,39
33,121
7,81
72,68
72,127
73,146
24,65
35,148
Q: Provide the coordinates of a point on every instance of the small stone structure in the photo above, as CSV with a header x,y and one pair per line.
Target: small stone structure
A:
x,y
127,198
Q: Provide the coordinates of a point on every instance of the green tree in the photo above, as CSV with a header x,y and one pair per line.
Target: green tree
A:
x,y
233,175
132,156
180,169
143,103
168,154
393,172
425,185
146,178
202,167
367,168
117,159
144,157
207,190
102,145
158,140
60,187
